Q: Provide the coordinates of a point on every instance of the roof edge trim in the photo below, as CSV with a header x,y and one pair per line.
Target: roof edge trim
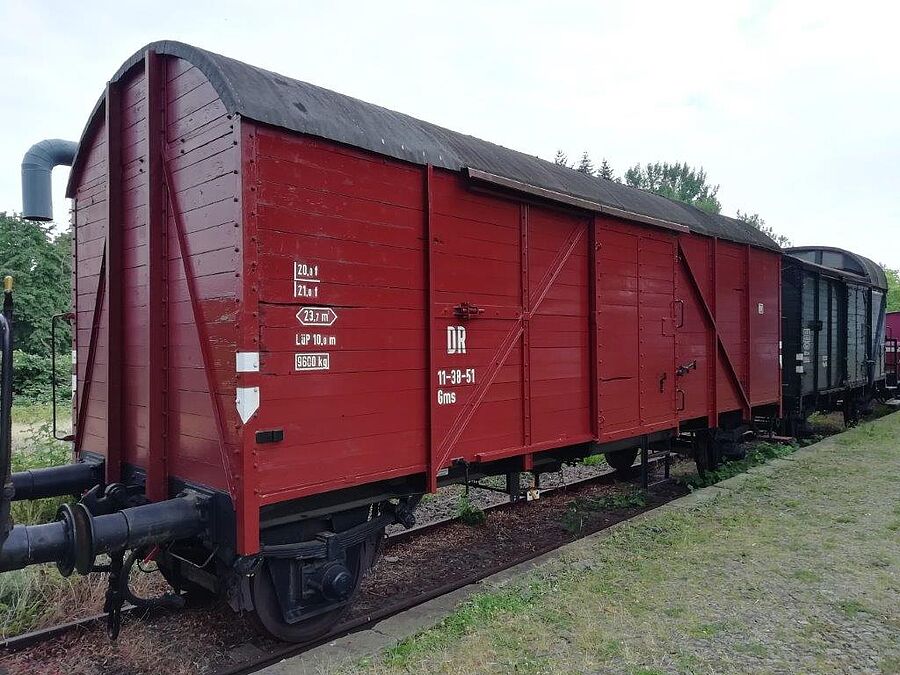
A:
x,y
196,57
562,198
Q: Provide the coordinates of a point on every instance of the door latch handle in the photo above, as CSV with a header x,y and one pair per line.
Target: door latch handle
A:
x,y
686,368
662,382
466,310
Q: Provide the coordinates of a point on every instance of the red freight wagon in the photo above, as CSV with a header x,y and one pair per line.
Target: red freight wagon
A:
x,y
301,311
892,352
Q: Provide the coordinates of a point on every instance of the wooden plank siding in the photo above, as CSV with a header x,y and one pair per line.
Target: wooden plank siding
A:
x,y
199,147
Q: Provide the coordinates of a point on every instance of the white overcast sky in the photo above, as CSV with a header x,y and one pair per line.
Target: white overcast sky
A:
x,y
792,107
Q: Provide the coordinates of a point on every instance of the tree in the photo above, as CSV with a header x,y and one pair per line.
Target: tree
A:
x,y
893,292
754,220
585,165
40,263
561,159
605,171
676,181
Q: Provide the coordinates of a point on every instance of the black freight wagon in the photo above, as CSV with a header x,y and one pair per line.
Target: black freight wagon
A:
x,y
833,313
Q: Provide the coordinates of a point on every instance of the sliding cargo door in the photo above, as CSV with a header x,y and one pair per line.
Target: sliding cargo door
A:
x,y
509,327
857,335
877,335
823,334
635,330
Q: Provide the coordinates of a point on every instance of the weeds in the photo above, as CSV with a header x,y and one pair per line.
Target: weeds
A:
x,y
594,460
581,509
467,512
760,453
826,424
39,596
627,500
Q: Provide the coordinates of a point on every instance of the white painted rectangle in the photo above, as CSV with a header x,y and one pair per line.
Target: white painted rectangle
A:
x,y
247,362
312,361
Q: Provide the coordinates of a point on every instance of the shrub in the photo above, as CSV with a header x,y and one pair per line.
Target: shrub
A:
x,y
467,512
31,377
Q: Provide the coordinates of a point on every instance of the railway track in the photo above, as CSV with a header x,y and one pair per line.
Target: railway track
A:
x,y
280,651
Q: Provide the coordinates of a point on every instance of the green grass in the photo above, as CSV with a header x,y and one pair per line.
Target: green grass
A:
x,y
39,413
756,649
23,598
806,576
30,414
476,611
853,607
739,581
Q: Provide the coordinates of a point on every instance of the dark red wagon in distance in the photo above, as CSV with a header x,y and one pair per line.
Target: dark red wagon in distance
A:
x,y
892,349
295,313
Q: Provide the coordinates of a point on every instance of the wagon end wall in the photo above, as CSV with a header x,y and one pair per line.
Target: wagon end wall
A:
x,y
156,217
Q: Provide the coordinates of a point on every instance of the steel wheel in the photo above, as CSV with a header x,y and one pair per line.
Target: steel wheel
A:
x,y
622,460
268,611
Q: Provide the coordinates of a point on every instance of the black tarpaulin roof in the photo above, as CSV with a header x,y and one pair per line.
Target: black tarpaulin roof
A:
x,y
840,259
273,99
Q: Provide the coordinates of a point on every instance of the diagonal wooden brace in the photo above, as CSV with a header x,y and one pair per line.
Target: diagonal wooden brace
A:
x,y
711,319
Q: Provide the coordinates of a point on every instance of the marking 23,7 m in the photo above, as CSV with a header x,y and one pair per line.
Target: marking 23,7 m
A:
x,y
316,316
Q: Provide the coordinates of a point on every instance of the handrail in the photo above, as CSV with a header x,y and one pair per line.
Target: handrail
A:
x,y
65,316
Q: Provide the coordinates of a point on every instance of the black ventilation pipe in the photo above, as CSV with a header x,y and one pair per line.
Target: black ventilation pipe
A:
x,y
38,163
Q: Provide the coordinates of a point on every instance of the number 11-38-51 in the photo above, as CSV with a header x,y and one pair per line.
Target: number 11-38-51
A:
x,y
456,376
